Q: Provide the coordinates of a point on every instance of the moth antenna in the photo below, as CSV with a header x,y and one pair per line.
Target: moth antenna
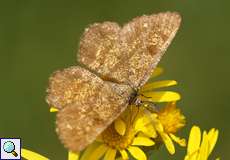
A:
x,y
145,96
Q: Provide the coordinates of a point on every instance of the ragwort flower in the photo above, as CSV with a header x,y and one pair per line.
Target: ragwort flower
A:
x,y
121,138
170,120
201,149
30,155
166,122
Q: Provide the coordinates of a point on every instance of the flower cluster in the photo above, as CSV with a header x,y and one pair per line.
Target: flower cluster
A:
x,y
145,127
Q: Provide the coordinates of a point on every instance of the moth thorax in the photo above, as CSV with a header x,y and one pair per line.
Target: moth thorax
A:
x,y
134,100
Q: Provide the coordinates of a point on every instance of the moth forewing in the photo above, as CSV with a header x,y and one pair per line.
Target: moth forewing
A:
x,y
128,54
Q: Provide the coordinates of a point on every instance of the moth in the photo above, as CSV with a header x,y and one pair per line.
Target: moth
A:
x,y
113,63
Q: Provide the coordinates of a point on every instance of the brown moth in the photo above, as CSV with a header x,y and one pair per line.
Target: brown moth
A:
x,y
115,62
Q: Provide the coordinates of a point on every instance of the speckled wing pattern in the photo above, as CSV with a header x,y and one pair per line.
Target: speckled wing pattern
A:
x,y
87,105
117,60
129,54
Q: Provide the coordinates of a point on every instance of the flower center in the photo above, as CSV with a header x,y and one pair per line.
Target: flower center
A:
x,y
117,141
171,118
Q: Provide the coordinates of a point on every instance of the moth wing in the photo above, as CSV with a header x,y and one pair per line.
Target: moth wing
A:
x,y
70,85
143,42
87,105
99,48
79,125
128,55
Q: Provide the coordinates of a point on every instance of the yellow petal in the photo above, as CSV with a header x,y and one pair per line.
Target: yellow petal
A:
x,y
194,140
124,154
98,152
149,123
158,84
203,154
52,109
89,150
192,156
212,136
149,131
142,141
168,143
141,122
156,72
180,141
145,125
157,124
160,96
73,156
110,154
137,153
186,157
120,126
27,154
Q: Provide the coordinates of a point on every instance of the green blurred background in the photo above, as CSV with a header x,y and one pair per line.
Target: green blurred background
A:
x,y
39,36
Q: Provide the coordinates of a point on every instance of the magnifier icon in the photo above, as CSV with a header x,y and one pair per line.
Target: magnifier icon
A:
x,y
9,147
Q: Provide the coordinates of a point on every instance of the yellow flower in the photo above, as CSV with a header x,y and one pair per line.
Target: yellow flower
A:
x,y
200,150
167,121
171,119
121,137
30,155
140,127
